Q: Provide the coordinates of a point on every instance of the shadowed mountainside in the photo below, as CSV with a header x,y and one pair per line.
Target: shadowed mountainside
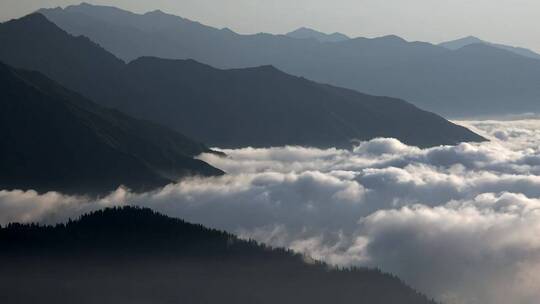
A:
x,y
229,108
132,255
54,139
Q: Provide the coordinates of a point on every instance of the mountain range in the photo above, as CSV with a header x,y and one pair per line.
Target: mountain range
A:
x,y
133,255
54,139
259,106
478,79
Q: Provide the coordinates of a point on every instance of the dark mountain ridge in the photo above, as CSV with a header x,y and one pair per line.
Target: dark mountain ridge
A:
x,y
54,139
455,83
280,109
229,108
132,255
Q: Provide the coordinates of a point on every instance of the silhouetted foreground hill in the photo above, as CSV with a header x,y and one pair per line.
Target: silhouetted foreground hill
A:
x,y
54,139
132,255
228,108
478,79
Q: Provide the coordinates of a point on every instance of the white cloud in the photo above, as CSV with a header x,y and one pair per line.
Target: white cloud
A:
x,y
474,249
458,222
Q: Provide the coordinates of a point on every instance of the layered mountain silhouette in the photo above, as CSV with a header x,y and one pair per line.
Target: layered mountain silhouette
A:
x,y
307,33
133,255
228,108
54,139
463,42
475,79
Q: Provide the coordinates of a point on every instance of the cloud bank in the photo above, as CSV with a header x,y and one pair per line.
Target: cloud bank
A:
x,y
457,222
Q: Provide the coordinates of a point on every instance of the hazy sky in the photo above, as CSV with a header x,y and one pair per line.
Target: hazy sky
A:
x,y
505,21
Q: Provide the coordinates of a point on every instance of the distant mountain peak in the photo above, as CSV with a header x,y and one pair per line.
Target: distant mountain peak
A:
x,y
89,6
305,30
268,67
268,70
461,42
155,12
36,21
308,33
385,40
392,38
469,40
472,38
228,30
34,17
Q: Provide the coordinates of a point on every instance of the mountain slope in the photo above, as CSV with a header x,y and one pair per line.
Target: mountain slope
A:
x,y
307,33
453,83
75,62
229,108
134,255
460,43
278,108
54,139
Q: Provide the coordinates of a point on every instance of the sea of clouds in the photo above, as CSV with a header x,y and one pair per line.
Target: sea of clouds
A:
x,y
460,223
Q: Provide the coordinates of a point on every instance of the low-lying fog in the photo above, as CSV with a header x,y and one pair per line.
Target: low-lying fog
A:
x,y
460,223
